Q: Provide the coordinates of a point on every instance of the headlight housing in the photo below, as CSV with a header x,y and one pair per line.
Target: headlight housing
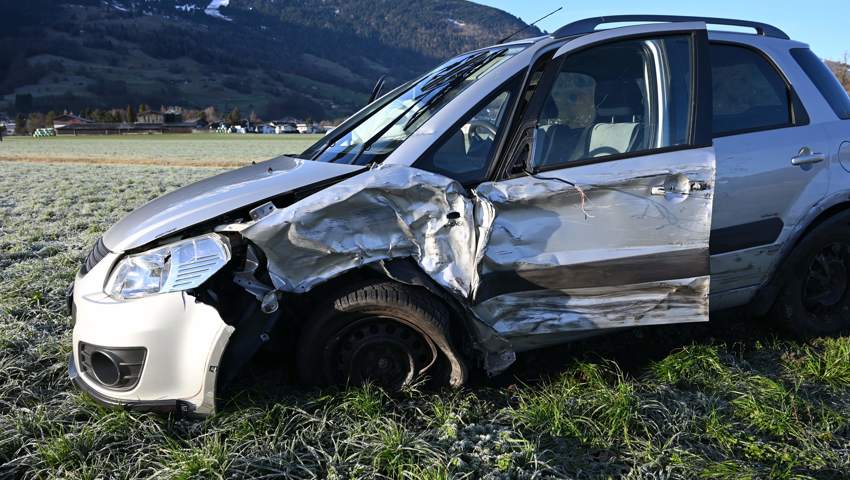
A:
x,y
174,267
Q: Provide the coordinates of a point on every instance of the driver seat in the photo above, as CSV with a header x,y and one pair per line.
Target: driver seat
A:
x,y
619,114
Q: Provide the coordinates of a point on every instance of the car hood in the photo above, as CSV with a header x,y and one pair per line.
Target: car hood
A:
x,y
214,196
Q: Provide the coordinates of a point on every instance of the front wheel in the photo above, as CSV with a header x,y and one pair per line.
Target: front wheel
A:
x,y
815,299
375,333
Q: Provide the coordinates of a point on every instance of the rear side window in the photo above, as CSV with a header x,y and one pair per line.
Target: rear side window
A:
x,y
824,80
749,94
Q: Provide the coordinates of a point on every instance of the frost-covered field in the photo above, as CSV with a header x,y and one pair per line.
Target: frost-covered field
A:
x,y
683,402
186,150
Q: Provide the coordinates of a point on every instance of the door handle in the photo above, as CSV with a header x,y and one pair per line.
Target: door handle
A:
x,y
679,186
807,157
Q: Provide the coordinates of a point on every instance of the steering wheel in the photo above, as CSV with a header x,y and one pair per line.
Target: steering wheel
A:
x,y
475,127
604,151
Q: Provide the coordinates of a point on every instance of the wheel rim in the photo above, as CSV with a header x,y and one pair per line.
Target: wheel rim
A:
x,y
826,284
379,350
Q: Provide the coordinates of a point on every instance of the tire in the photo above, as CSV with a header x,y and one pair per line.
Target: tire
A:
x,y
383,333
815,296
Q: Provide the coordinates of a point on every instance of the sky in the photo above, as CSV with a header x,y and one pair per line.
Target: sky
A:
x,y
823,24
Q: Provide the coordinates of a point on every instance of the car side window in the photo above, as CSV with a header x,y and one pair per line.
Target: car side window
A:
x,y
627,97
466,153
825,81
749,94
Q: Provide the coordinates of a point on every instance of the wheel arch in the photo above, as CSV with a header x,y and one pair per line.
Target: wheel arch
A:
x,y
767,294
454,345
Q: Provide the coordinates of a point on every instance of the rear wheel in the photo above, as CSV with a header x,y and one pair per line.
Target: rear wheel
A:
x,y
376,333
815,299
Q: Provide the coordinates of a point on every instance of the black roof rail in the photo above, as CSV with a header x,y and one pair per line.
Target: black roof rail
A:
x,y
589,25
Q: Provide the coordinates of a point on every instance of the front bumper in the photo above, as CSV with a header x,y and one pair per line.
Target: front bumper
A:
x,y
158,406
184,340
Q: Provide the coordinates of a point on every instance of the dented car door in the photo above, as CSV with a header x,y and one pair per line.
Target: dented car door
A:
x,y
603,218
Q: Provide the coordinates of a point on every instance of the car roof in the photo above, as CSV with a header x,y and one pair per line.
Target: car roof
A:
x,y
763,33
590,25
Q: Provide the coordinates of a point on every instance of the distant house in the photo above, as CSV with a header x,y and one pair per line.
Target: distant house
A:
x,y
69,119
169,116
309,128
285,127
265,129
124,128
150,117
173,115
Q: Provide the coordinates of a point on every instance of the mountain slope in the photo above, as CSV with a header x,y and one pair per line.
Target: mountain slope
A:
x,y
278,57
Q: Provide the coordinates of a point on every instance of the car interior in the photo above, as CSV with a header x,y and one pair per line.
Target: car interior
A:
x,y
598,106
465,154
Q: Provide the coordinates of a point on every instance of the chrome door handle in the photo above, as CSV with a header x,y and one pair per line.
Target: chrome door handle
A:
x,y
807,157
662,190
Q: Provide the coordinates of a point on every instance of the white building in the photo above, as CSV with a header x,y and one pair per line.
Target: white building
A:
x,y
310,128
285,127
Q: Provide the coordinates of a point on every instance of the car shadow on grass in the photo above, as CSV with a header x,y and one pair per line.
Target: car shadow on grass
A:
x,y
268,379
635,349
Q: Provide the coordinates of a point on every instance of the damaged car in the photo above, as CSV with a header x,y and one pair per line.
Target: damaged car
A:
x,y
514,197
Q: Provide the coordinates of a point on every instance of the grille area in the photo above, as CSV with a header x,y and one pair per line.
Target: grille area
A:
x,y
94,257
114,368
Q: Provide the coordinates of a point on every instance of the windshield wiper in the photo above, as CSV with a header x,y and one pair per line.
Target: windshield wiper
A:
x,y
463,69
377,136
434,89
450,83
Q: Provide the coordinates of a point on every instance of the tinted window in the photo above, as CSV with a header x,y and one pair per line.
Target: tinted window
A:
x,y
748,92
465,154
824,80
625,97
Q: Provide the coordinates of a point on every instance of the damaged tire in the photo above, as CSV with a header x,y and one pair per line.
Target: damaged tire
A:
x,y
384,333
815,297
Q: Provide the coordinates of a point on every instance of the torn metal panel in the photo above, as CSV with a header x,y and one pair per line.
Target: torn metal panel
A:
x,y
390,212
531,257
594,247
542,222
540,318
387,212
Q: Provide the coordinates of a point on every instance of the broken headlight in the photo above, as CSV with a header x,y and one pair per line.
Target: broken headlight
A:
x,y
171,268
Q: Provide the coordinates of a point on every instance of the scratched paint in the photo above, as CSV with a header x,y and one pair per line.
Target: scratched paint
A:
x,y
387,212
599,225
540,318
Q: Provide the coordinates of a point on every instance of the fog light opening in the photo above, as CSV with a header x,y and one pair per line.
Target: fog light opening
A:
x,y
105,368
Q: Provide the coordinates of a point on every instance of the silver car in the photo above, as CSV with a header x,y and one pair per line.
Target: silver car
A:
x,y
514,197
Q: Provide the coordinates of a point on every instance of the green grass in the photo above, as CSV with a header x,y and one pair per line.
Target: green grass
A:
x,y
206,149
825,362
593,403
700,408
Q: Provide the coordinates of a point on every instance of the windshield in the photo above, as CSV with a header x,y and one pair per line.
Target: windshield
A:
x,y
386,124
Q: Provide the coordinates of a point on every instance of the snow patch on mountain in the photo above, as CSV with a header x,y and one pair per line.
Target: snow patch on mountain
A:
x,y
212,9
117,6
